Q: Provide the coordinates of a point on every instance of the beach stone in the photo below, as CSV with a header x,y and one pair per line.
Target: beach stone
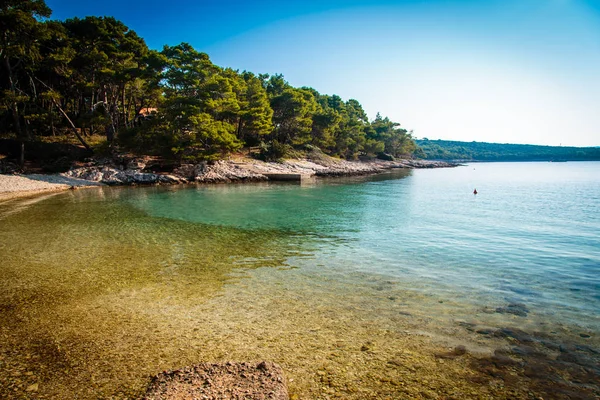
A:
x,y
456,352
259,380
367,346
32,388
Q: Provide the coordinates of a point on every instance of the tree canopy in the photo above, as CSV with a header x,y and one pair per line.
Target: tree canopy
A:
x,y
94,75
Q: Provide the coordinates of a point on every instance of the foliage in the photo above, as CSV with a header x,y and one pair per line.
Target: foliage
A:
x,y
274,151
94,75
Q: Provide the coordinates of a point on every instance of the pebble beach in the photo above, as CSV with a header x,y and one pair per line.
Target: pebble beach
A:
x,y
13,186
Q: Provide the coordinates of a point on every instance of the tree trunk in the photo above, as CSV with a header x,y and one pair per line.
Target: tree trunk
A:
x,y
22,154
52,119
14,108
239,128
73,128
125,119
110,133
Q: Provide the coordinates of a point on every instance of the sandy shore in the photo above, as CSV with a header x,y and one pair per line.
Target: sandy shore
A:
x,y
13,186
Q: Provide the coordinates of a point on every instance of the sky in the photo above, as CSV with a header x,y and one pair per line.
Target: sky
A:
x,y
501,71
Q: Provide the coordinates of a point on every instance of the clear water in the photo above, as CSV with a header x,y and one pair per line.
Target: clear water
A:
x,y
110,286
531,234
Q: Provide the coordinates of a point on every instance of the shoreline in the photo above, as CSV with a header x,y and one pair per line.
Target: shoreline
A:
x,y
29,185
233,170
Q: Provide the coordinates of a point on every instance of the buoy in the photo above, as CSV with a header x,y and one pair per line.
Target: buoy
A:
x,y
475,191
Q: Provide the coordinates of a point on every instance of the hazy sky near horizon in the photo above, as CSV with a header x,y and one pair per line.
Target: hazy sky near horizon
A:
x,y
506,71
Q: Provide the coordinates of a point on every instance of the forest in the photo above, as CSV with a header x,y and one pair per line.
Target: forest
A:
x,y
481,151
95,80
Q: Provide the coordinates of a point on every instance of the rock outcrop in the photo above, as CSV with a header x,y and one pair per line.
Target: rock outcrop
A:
x,y
218,172
133,172
113,176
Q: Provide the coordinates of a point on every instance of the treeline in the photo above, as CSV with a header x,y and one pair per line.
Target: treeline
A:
x,y
481,151
95,76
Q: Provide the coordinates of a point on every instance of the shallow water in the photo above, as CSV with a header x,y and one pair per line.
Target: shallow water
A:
x,y
352,285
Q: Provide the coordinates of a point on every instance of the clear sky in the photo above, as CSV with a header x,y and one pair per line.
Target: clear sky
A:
x,y
507,71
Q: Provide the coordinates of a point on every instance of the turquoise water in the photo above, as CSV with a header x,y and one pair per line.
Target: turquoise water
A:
x,y
530,236
353,285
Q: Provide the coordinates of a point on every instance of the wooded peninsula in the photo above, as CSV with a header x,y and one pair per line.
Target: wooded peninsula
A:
x,y
95,80
481,151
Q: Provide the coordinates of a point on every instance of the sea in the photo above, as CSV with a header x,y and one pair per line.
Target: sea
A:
x,y
360,287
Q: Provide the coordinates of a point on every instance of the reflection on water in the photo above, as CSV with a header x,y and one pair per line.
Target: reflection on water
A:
x,y
351,285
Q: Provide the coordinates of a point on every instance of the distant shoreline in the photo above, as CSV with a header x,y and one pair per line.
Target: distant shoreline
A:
x,y
503,152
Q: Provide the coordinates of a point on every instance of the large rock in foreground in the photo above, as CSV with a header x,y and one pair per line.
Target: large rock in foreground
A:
x,y
256,381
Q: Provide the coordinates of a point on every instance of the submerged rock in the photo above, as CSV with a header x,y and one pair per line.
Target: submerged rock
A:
x,y
262,380
454,353
515,334
532,360
517,309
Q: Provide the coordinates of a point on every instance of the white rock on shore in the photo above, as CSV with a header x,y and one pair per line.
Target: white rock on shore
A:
x,y
238,170
113,176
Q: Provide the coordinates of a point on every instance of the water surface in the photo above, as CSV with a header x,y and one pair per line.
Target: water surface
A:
x,y
352,285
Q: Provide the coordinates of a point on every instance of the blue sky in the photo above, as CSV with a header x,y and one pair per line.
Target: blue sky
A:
x,y
509,71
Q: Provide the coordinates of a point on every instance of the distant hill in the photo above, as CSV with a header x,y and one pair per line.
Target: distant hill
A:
x,y
481,151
